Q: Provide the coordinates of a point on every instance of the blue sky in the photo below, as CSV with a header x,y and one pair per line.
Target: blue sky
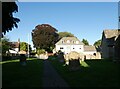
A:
x,y
83,19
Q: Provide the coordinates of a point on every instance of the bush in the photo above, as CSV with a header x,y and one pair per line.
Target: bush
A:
x,y
40,51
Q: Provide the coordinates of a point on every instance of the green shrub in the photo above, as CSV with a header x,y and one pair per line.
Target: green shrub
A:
x,y
40,51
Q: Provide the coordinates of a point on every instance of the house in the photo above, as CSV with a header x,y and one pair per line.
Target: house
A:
x,y
91,52
14,48
68,44
109,38
71,44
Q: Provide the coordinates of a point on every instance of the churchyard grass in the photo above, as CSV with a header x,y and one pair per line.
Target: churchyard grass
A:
x,y
16,75
92,73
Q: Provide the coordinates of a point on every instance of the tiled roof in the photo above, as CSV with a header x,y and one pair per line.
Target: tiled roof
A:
x,y
110,33
14,44
69,41
111,36
89,48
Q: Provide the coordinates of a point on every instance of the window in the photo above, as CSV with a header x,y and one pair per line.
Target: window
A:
x,y
73,48
61,48
62,41
94,54
68,41
77,42
79,48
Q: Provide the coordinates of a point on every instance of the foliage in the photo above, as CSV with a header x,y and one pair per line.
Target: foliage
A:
x,y
40,51
8,21
24,46
85,42
5,45
33,51
97,43
65,34
44,36
119,18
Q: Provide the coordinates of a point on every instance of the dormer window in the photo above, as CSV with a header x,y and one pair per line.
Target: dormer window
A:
x,y
77,42
68,41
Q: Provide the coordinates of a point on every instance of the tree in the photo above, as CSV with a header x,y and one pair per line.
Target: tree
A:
x,y
40,51
65,34
24,46
97,43
8,21
44,36
119,18
85,42
5,45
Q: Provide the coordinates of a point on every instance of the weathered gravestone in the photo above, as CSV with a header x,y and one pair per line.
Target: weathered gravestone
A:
x,y
23,59
74,60
61,56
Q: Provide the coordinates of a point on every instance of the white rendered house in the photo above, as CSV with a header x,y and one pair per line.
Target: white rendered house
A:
x,y
68,44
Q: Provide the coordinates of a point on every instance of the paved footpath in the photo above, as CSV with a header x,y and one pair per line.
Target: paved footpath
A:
x,y
51,78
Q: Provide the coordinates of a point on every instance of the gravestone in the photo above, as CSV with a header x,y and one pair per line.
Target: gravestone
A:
x,y
61,56
23,59
74,60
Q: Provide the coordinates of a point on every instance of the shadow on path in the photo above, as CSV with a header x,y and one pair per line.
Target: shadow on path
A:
x,y
51,78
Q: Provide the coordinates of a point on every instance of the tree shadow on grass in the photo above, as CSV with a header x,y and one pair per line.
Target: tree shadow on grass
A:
x,y
16,75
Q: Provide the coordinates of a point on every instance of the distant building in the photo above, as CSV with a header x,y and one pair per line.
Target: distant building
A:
x,y
91,52
69,44
108,43
14,48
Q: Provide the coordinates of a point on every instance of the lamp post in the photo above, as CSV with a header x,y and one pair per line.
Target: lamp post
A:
x,y
28,45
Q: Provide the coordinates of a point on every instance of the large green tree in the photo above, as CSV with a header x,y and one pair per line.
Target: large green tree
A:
x,y
44,36
97,43
85,42
8,21
24,46
65,34
5,45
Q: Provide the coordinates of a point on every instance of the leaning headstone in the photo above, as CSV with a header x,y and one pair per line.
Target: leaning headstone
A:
x,y
74,63
23,59
61,56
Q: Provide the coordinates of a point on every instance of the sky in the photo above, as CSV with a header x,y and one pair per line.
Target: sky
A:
x,y
83,19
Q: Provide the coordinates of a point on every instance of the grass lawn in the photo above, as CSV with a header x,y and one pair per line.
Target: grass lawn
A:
x,y
92,73
15,75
